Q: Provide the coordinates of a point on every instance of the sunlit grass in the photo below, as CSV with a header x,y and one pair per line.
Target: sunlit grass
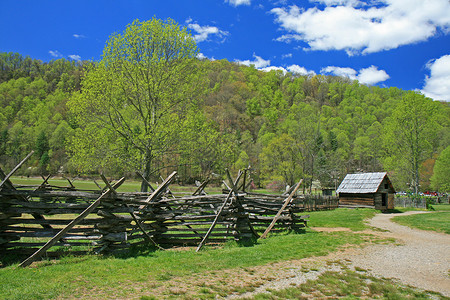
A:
x,y
436,221
441,207
144,269
74,276
342,217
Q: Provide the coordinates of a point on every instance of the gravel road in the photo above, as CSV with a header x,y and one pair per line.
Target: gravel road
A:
x,y
419,258
422,260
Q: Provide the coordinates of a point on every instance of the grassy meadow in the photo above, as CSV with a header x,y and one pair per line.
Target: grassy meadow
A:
x,y
148,273
436,221
145,269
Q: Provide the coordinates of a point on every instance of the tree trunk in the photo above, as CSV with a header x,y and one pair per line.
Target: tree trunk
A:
x,y
147,171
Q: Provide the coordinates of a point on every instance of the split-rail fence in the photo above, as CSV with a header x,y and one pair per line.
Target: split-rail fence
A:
x,y
46,220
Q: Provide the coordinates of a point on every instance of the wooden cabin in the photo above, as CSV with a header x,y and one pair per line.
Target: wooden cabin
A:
x,y
373,190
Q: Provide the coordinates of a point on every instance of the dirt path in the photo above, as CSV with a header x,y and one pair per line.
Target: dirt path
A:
x,y
419,258
422,260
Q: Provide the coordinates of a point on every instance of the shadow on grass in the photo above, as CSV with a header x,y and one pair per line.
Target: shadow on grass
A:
x,y
144,249
11,258
16,256
407,209
393,211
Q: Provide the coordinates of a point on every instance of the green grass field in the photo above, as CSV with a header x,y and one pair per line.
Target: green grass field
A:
x,y
342,217
436,221
441,207
145,269
148,273
111,276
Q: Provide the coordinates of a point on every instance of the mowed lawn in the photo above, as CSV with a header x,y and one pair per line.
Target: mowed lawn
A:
x,y
145,270
438,221
148,273
138,272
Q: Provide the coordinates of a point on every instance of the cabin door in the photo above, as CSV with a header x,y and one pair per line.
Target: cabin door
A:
x,y
384,198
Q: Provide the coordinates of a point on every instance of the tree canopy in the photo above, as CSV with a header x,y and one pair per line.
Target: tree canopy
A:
x,y
441,172
132,105
150,104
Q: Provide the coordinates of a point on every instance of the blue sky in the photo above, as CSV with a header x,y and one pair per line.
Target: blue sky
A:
x,y
402,43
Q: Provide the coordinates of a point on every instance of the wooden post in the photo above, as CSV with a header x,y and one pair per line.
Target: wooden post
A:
x,y
277,216
10,186
219,212
70,182
200,188
159,189
234,185
36,255
98,185
148,237
167,190
45,182
16,168
146,181
108,185
236,191
248,184
225,183
245,177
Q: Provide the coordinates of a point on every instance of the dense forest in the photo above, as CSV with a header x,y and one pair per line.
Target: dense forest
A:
x,y
285,126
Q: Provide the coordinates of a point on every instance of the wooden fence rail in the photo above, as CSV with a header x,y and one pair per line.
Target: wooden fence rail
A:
x,y
50,219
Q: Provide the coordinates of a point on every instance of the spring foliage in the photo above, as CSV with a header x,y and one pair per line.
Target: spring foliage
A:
x,y
151,104
132,105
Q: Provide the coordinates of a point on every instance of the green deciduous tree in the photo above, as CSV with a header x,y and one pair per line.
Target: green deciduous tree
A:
x,y
409,136
441,172
132,104
281,160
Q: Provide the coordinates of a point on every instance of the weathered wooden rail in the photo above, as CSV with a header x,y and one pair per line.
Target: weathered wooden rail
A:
x,y
48,219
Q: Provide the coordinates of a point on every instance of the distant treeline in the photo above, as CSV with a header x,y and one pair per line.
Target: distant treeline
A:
x,y
285,126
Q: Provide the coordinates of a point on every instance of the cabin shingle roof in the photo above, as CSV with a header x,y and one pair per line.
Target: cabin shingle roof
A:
x,y
361,183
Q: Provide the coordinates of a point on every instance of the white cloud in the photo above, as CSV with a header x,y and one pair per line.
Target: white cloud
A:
x,y
357,27
238,2
201,56
75,57
273,68
340,2
369,76
296,69
78,36
289,55
372,75
55,53
259,62
338,71
437,85
264,65
203,32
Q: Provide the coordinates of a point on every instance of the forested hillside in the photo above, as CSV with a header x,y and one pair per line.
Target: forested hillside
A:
x,y
285,126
